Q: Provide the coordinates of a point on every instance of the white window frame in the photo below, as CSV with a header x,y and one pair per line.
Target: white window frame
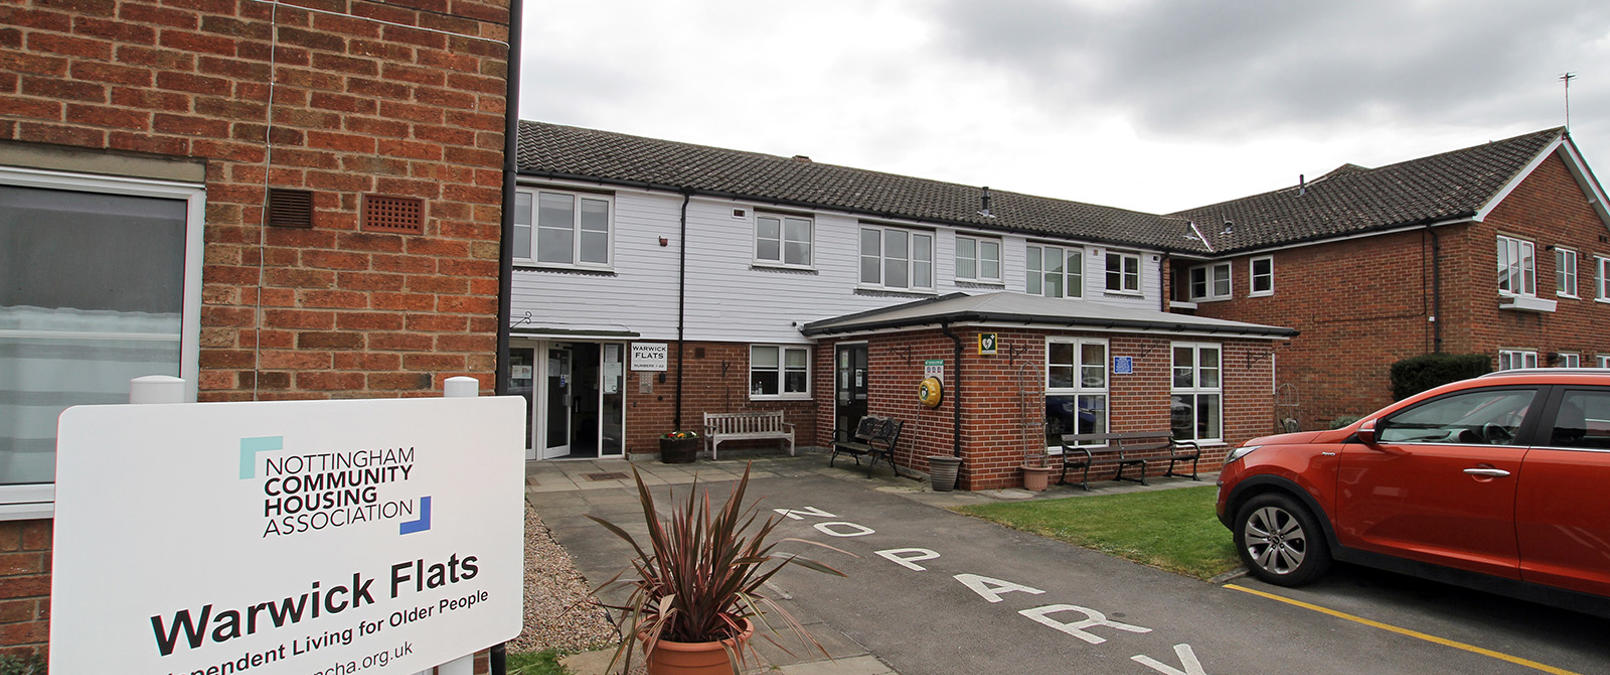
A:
x,y
1604,360
783,241
1128,281
1510,359
1210,282
782,370
978,258
530,256
1517,266
1252,277
1196,389
1079,387
1072,273
38,500
1565,276
1570,360
1602,290
911,260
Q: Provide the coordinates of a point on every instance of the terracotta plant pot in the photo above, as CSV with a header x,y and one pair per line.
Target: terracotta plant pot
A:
x,y
679,450
697,658
1036,478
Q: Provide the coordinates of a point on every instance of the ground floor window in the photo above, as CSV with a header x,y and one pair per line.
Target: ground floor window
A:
x,y
1570,360
1075,388
1604,360
1196,410
777,371
1510,359
99,282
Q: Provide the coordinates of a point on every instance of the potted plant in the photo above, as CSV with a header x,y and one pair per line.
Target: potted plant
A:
x,y
1036,472
696,590
679,447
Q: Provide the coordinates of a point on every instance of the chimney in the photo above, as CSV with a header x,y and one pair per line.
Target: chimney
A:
x,y
802,158
1302,186
984,201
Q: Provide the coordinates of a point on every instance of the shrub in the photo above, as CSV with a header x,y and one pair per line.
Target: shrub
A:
x,y
33,664
1419,373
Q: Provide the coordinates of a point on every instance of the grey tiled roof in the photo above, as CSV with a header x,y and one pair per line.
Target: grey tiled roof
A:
x,y
1353,199
571,152
1349,199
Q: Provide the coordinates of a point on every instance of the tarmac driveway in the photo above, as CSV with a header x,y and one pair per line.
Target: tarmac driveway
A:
x,y
931,591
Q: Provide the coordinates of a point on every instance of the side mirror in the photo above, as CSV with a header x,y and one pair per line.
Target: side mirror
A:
x,y
1366,433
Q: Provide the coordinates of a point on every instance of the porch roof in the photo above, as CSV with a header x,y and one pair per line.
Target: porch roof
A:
x,y
1032,311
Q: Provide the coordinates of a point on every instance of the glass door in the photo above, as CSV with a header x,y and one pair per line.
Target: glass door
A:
x,y
849,389
612,417
557,402
522,374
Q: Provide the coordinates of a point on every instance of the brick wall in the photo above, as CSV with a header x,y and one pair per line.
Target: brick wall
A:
x,y
1003,397
345,98
716,380
24,586
1363,304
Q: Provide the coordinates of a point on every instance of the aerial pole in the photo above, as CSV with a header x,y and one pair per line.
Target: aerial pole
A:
x,y
1566,78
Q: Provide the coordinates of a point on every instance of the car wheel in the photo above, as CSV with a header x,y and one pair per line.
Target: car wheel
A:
x,y
1279,541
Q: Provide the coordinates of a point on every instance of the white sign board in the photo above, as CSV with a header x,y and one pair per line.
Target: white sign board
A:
x,y
934,368
651,356
372,536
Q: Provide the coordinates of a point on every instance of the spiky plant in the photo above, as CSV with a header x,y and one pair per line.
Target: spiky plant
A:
x,y
700,578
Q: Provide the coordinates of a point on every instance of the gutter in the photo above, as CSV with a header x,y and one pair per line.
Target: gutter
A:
x,y
1035,320
498,656
1436,291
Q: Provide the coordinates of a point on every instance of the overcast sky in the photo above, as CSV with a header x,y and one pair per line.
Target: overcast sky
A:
x,y
1154,106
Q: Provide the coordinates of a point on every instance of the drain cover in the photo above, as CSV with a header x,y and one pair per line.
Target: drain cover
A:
x,y
613,475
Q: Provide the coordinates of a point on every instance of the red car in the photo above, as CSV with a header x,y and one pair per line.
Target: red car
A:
x,y
1501,483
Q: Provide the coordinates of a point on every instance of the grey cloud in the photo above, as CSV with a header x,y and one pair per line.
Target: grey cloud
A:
x,y
1242,68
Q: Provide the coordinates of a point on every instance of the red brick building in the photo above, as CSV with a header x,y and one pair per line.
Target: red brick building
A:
x,y
273,200
1375,265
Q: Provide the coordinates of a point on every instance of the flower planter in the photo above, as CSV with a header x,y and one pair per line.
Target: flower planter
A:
x,y
679,450
1036,478
697,658
942,471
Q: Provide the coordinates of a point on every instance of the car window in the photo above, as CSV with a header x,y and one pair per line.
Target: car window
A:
x,y
1583,421
1483,417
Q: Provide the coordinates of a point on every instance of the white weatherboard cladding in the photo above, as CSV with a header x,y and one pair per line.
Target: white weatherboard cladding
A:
x,y
732,299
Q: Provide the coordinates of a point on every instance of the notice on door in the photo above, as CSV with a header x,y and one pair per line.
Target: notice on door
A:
x,y
650,356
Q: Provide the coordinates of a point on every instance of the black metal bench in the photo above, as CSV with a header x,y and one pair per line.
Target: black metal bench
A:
x,y
1124,450
874,437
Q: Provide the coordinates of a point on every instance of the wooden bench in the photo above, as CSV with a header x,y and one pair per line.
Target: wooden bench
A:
x,y
1124,450
746,426
874,437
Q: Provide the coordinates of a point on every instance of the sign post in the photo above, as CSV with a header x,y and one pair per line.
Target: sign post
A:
x,y
374,536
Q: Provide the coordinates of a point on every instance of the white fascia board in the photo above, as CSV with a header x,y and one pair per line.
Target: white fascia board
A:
x,y
1332,240
1585,178
1542,156
1066,328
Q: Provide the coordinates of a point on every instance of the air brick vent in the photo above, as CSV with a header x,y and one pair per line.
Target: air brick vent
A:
x,y
290,208
401,215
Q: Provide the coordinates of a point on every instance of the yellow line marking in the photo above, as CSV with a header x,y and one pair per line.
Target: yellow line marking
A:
x,y
1404,631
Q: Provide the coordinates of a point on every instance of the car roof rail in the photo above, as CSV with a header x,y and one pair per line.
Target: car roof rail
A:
x,y
1549,371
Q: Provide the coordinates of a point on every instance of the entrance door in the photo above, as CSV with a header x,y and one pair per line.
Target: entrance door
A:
x,y
849,389
522,373
556,436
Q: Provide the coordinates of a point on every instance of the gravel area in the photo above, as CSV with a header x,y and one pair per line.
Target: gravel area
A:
x,y
559,609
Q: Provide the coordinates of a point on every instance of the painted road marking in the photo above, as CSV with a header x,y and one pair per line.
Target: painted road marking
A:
x,y
1404,631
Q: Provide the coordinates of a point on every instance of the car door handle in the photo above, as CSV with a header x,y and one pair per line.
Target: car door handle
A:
x,y
1493,473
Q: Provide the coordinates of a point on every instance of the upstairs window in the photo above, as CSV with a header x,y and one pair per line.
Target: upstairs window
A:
x,y
779,372
1123,272
571,229
1603,284
978,259
1210,282
782,240
896,258
1517,267
1565,272
1262,272
1055,272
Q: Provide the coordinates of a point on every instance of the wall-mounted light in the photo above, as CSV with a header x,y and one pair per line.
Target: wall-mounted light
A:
x,y
664,241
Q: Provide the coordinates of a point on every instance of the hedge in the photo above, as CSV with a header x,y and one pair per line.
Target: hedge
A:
x,y
1419,373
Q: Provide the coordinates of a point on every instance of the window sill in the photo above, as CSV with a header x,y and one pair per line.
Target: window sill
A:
x,y
1181,304
1567,296
762,266
1525,303
1261,294
894,292
1131,294
975,283
561,269
1603,300
1211,299
28,502
780,397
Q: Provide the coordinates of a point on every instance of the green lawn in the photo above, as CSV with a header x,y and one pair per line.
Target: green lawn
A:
x,y
545,662
1173,530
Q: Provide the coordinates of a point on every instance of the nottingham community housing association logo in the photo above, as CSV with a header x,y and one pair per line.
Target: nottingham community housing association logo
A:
x,y
311,490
